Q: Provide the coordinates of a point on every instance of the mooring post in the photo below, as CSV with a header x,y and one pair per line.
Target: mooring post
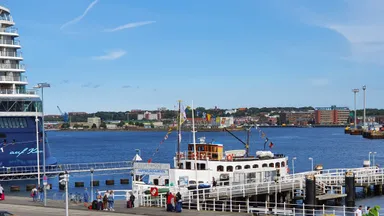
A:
x,y
214,204
247,204
350,189
310,190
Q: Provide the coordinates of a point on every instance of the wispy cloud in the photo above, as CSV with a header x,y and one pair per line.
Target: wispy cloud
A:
x,y
130,25
126,86
64,82
111,55
96,86
90,85
77,19
319,82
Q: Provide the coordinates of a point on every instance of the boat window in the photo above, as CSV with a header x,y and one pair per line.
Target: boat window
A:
x,y
255,166
265,165
201,182
188,165
220,168
202,166
166,181
156,181
229,168
247,167
238,167
283,164
192,182
271,165
277,165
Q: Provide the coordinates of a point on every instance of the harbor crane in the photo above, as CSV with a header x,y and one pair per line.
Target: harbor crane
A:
x,y
64,115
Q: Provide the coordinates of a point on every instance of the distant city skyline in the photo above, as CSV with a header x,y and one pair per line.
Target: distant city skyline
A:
x,y
119,56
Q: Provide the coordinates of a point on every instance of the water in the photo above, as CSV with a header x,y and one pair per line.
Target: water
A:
x,y
327,146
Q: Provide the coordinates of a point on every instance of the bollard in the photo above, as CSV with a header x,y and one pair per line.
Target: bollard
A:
x,y
124,181
350,189
15,188
61,186
79,184
29,187
109,182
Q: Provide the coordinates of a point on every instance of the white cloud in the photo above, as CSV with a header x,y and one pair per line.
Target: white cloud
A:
x,y
319,82
77,19
112,55
130,25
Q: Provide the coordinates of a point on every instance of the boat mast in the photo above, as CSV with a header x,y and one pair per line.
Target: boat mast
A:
x,y
179,136
195,153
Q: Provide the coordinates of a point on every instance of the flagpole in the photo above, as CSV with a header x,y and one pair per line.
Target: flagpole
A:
x,y
179,136
195,158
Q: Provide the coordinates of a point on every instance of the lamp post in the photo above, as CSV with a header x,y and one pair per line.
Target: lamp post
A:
x,y
37,148
355,91
92,170
364,119
276,180
373,158
311,159
42,86
293,165
65,181
369,158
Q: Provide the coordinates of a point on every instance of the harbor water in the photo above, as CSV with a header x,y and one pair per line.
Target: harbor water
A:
x,y
327,146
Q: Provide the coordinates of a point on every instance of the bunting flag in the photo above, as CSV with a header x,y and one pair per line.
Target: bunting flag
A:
x,y
270,145
162,141
266,140
183,115
197,113
209,117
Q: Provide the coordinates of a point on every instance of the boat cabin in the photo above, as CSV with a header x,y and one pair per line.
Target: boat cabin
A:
x,y
206,151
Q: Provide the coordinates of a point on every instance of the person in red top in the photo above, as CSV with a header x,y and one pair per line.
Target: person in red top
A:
x,y
170,199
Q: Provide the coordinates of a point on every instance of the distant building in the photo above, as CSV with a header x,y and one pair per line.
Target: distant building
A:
x,y
332,115
297,118
230,112
226,122
94,120
149,116
111,126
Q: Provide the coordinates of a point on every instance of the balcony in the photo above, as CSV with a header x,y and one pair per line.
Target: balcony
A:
x,y
18,91
13,79
6,17
11,54
4,67
10,42
11,30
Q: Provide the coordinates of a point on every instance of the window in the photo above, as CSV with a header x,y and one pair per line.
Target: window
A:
x,y
156,181
255,166
283,164
265,165
247,167
229,168
277,165
271,165
220,168
238,167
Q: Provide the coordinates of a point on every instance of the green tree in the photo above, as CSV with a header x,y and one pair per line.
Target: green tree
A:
x,y
141,124
103,125
137,123
86,127
373,211
152,125
131,123
121,124
76,126
94,126
65,126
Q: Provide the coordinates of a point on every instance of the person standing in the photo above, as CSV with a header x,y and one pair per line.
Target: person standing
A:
x,y
132,199
111,201
1,193
85,197
105,201
358,211
41,194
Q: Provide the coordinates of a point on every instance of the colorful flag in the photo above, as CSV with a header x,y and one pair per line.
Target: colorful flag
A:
x,y
197,113
183,115
150,160
270,144
209,117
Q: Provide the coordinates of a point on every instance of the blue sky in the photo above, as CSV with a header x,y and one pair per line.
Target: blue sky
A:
x,y
120,55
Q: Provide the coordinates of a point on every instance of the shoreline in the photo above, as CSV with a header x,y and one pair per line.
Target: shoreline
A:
x,y
185,129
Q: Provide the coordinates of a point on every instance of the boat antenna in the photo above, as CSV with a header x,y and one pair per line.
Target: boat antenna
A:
x,y
179,135
245,144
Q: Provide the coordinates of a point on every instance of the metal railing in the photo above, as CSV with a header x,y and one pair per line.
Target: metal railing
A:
x,y
9,30
12,66
14,78
11,54
10,42
18,91
6,18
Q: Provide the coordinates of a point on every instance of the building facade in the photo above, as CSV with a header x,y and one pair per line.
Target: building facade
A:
x,y
149,116
298,118
94,120
332,115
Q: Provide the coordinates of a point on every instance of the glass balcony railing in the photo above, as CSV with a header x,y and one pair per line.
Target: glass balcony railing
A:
x,y
10,42
18,91
9,30
12,66
5,17
13,78
11,54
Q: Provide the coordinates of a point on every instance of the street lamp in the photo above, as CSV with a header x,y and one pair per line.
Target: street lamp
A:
x,y
65,181
37,148
355,91
293,165
369,158
364,88
138,151
92,170
42,86
311,159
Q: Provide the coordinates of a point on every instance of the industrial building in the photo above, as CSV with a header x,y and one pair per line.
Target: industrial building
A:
x,y
332,115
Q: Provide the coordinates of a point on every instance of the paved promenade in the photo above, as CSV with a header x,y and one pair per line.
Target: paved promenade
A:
x,y
24,206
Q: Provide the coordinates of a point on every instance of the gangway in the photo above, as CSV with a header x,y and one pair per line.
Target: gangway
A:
x,y
31,172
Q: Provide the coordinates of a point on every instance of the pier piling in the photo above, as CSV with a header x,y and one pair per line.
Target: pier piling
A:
x,y
310,190
378,189
350,189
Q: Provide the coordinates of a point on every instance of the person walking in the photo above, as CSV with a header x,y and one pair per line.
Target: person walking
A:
x,y
85,197
41,194
132,199
105,201
358,211
34,194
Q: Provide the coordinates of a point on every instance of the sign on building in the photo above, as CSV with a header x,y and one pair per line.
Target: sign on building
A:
x,y
159,169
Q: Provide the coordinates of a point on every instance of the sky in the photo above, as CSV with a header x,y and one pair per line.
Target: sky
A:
x,y
118,55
